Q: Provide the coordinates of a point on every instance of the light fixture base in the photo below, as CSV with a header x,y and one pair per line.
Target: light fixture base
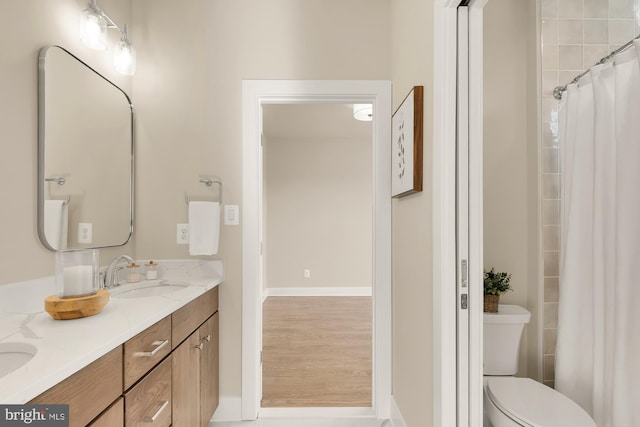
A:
x,y
363,112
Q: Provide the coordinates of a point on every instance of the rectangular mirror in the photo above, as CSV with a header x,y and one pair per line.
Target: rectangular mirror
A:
x,y
85,155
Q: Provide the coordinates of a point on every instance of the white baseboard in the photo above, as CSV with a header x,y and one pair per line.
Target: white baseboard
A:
x,y
334,291
396,415
314,413
229,409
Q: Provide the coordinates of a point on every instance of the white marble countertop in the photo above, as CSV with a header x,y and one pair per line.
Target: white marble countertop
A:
x,y
66,346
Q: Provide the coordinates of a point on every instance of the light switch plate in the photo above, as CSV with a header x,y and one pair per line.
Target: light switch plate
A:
x,y
231,215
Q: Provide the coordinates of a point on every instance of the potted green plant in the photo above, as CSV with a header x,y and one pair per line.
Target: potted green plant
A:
x,y
495,284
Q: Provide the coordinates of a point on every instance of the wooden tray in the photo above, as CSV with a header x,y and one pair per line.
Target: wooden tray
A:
x,y
76,307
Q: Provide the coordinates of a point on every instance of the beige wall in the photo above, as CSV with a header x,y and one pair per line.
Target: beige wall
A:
x,y
511,157
26,26
412,48
188,88
319,214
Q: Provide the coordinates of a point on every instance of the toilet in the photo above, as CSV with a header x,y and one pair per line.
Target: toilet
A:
x,y
510,401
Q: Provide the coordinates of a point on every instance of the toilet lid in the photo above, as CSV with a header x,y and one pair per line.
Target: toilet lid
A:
x,y
535,405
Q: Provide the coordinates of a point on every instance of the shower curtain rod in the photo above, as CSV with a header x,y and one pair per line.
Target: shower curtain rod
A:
x,y
557,92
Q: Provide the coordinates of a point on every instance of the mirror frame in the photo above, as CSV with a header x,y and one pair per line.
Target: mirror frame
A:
x,y
41,148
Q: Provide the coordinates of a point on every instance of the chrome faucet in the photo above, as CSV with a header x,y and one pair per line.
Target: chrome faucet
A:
x,y
111,278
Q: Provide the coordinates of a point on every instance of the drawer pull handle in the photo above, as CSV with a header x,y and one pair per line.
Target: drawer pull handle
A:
x,y
155,416
199,346
158,344
207,338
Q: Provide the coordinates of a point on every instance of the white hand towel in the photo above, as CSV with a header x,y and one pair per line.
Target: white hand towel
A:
x,y
56,223
204,228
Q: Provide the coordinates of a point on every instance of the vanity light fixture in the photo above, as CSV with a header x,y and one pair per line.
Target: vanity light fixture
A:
x,y
93,33
363,112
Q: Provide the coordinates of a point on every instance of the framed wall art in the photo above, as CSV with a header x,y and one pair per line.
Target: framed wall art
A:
x,y
406,136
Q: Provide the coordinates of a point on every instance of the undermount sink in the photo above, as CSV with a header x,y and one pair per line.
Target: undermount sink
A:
x,y
13,355
152,289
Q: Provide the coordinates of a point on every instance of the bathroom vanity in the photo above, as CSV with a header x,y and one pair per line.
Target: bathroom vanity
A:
x,y
151,356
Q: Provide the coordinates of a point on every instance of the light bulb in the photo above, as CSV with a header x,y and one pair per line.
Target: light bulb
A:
x,y
93,28
124,60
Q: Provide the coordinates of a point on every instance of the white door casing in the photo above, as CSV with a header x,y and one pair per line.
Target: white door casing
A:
x,y
462,219
476,222
255,94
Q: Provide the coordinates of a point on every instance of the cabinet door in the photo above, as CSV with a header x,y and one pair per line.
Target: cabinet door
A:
x,y
186,382
209,376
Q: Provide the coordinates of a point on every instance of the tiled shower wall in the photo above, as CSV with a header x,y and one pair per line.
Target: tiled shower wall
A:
x,y
575,35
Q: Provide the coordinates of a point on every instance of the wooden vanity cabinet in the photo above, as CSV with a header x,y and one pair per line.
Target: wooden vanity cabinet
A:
x,y
195,362
89,391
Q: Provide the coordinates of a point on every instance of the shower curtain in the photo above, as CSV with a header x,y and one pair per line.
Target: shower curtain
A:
x,y
598,346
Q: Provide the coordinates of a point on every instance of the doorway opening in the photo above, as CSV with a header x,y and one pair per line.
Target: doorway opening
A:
x,y
256,95
317,256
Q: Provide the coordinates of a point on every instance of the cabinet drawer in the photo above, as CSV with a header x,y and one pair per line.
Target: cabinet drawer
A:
x,y
112,417
79,391
191,316
148,403
145,350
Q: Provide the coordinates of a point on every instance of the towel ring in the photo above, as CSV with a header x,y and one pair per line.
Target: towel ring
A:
x,y
60,180
208,182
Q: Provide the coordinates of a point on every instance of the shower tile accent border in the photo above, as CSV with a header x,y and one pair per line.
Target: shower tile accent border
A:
x,y
574,35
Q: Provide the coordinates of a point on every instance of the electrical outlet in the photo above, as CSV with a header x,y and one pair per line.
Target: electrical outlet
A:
x,y
182,235
307,273
85,232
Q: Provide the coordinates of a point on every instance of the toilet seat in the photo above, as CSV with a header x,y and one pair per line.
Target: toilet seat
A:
x,y
531,404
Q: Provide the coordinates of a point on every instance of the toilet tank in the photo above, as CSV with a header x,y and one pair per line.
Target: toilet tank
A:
x,y
502,333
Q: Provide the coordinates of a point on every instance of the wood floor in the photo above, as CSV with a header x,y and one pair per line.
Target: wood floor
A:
x,y
317,352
